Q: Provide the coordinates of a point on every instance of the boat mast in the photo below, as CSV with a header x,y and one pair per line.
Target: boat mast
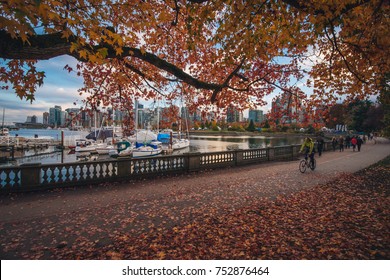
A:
x,y
94,117
2,124
158,115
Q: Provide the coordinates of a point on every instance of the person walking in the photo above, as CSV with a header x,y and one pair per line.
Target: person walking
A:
x,y
320,145
334,143
341,143
353,142
359,143
347,141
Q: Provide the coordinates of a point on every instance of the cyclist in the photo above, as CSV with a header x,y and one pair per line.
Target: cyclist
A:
x,y
308,148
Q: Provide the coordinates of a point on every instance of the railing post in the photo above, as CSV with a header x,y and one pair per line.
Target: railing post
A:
x,y
124,169
295,151
327,145
239,154
271,153
30,175
192,161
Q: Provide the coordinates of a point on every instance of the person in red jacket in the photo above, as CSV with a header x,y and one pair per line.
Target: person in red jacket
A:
x,y
354,142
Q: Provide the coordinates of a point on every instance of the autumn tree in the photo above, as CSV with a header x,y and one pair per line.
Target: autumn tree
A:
x,y
374,120
336,115
356,114
170,117
207,51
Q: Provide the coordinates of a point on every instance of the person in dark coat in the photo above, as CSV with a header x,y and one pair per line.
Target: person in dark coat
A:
x,y
359,143
320,145
334,143
347,141
341,144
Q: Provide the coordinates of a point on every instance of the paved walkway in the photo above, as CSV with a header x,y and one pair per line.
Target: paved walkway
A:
x,y
138,206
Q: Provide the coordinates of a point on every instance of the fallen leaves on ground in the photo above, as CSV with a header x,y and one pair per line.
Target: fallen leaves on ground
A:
x,y
345,219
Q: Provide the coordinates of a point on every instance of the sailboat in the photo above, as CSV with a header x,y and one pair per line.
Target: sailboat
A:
x,y
180,144
173,140
4,131
151,149
146,143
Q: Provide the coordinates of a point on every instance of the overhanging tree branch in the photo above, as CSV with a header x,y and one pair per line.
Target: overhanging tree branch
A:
x,y
334,43
226,82
48,46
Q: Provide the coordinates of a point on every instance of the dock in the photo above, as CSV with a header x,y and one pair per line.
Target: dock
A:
x,y
13,147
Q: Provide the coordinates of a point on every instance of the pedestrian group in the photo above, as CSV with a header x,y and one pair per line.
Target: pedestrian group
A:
x,y
355,142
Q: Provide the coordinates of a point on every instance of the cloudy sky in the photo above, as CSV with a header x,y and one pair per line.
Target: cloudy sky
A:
x,y
60,88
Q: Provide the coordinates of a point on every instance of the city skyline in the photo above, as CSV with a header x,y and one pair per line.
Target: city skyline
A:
x,y
60,88
52,118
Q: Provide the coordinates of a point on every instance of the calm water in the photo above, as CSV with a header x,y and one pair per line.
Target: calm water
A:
x,y
223,143
54,134
198,144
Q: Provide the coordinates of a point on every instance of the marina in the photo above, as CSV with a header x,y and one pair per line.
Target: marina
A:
x,y
38,176
43,145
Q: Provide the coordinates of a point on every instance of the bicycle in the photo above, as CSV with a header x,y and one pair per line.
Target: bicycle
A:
x,y
307,163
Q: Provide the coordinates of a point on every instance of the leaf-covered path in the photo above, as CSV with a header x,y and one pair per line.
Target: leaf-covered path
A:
x,y
265,211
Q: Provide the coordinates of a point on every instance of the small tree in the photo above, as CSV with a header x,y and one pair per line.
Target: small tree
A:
x,y
251,126
266,124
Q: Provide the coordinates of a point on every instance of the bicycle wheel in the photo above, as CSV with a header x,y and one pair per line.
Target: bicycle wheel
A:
x,y
302,166
313,164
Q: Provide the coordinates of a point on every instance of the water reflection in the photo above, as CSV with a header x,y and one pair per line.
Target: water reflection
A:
x,y
202,144
223,143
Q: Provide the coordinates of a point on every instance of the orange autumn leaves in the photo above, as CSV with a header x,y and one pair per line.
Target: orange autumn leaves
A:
x,y
344,219
237,51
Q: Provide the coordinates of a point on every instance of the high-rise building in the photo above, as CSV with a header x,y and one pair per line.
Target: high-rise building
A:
x,y
286,110
85,119
196,116
256,115
55,116
63,117
45,118
32,119
232,115
73,117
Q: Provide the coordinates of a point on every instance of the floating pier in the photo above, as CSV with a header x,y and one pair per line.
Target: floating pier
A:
x,y
13,147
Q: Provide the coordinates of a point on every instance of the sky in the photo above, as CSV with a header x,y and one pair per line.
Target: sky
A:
x,y
60,88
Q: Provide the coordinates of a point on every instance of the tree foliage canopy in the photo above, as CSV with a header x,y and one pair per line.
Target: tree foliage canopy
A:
x,y
218,51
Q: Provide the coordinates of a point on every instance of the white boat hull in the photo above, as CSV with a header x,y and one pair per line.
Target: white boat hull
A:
x,y
181,144
126,153
146,152
104,150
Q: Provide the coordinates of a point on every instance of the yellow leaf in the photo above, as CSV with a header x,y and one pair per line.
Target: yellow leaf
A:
x,y
73,47
83,54
118,51
92,58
